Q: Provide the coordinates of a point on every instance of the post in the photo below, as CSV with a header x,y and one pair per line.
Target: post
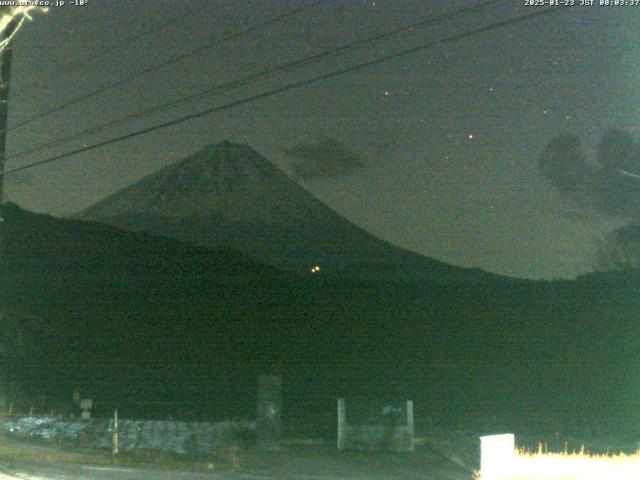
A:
x,y
5,71
114,437
410,424
269,412
342,422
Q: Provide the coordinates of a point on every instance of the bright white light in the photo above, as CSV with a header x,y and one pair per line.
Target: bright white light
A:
x,y
315,269
23,13
500,461
497,453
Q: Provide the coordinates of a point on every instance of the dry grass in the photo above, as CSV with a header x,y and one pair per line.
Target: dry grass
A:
x,y
566,466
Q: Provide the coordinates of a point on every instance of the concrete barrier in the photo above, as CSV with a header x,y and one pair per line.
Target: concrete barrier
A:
x,y
371,436
195,438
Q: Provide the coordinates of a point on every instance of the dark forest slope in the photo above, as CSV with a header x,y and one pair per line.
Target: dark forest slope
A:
x,y
135,318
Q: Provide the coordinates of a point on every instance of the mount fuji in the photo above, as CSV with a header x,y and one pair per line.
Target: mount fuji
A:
x,y
229,195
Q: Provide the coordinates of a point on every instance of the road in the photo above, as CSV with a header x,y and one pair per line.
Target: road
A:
x,y
289,464
62,471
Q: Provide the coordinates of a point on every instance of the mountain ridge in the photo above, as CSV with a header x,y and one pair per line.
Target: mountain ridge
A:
x,y
132,316
229,194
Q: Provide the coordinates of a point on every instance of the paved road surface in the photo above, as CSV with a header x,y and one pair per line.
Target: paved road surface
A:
x,y
289,464
53,471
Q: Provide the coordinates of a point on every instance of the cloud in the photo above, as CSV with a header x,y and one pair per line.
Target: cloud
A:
x,y
609,185
564,164
327,157
618,152
620,250
617,185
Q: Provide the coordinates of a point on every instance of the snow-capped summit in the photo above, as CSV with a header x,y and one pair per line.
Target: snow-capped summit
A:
x,y
228,194
226,179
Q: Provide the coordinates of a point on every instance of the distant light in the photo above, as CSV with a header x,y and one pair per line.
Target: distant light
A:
x,y
315,269
471,136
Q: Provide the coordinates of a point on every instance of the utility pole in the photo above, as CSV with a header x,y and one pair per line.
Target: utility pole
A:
x,y
5,72
5,69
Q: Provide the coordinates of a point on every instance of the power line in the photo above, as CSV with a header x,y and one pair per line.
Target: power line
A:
x,y
171,61
250,78
295,85
125,43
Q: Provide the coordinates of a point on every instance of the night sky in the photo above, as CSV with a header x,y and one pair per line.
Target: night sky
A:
x,y
436,152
